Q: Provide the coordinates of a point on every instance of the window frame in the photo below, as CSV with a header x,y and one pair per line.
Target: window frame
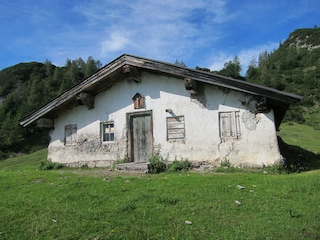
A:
x,y
70,134
111,134
229,125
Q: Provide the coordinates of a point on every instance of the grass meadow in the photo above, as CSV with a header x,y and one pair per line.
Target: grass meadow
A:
x,y
301,135
102,204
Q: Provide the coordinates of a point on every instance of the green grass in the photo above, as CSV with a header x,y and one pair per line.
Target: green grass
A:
x,y
99,204
31,161
300,135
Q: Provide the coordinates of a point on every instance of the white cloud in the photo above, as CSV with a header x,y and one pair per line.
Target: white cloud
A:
x,y
116,42
160,29
220,12
201,33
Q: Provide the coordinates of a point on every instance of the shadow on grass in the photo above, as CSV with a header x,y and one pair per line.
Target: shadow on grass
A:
x,y
297,159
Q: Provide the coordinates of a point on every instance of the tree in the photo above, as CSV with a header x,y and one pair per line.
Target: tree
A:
x,y
91,66
263,58
49,67
180,63
232,69
26,86
203,69
252,71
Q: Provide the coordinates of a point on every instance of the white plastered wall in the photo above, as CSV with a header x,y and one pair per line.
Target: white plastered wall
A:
x,y
256,146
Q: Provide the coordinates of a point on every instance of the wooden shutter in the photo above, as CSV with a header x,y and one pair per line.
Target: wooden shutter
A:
x,y
70,134
229,125
175,128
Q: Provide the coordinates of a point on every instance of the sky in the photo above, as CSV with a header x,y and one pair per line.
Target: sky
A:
x,y
205,33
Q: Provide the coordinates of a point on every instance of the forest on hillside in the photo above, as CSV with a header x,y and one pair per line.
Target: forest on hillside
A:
x,y
27,86
293,67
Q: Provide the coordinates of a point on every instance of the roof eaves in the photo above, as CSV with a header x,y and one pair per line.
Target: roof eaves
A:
x,y
163,67
72,92
211,78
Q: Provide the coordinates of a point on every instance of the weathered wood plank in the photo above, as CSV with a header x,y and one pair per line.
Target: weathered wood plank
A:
x,y
176,130
176,126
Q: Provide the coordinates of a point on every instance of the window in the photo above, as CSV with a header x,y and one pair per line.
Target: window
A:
x,y
107,131
175,128
229,125
70,134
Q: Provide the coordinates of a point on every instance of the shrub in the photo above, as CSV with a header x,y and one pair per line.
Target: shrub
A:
x,y
47,165
225,163
157,164
3,155
182,165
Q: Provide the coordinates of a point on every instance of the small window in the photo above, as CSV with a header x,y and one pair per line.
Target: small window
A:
x,y
175,128
107,131
70,134
229,125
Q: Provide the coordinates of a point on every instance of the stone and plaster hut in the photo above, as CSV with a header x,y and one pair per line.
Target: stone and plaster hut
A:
x,y
135,107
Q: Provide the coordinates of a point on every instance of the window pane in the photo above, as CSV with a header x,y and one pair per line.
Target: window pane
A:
x,y
111,137
106,137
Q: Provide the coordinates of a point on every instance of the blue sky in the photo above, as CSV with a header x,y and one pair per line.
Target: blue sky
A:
x,y
204,33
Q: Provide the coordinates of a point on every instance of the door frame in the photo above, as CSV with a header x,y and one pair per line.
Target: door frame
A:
x,y
129,130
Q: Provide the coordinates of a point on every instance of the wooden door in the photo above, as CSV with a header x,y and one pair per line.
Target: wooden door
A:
x,y
141,140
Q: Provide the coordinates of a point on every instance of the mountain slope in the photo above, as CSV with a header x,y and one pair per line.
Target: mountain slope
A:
x,y
294,67
25,87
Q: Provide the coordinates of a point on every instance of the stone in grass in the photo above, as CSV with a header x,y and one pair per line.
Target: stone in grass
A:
x,y
188,222
240,187
237,202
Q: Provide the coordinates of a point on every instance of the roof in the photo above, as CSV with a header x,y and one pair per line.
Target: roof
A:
x,y
106,76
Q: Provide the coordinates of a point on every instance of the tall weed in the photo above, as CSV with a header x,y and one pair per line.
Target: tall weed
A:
x,y
157,164
47,165
182,165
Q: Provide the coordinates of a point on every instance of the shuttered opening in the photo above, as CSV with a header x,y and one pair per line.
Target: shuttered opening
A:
x,y
138,101
175,128
70,132
229,125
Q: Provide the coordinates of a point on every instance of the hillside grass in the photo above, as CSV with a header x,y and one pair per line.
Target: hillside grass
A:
x,y
26,162
99,204
300,135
